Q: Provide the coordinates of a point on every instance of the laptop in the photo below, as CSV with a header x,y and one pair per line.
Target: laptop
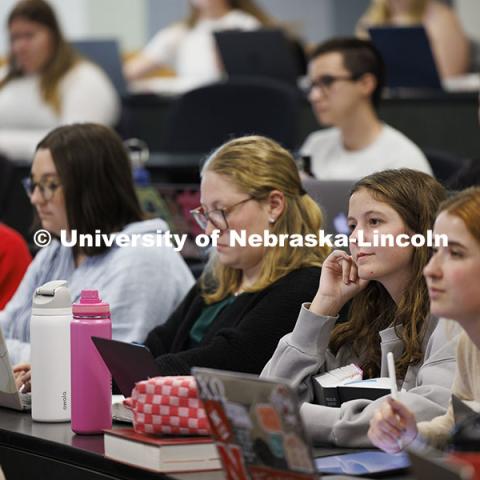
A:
x,y
332,196
259,433
461,410
265,52
408,57
434,467
10,397
106,54
128,363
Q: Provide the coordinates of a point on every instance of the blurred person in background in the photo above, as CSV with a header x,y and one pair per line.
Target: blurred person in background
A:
x,y
450,45
188,46
346,77
45,83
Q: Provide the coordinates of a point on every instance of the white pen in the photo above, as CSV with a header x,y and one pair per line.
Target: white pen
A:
x,y
392,375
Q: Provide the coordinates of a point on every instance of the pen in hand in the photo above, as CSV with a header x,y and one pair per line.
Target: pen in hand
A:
x,y
392,375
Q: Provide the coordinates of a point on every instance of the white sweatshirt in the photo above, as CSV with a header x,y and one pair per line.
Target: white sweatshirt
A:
x,y
86,95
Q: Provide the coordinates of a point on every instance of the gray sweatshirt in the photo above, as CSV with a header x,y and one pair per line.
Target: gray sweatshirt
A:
x,y
304,353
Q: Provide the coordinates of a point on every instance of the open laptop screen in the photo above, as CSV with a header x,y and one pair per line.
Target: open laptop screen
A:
x,y
265,53
408,57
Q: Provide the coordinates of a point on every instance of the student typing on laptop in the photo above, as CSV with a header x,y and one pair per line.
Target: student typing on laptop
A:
x,y
346,80
81,183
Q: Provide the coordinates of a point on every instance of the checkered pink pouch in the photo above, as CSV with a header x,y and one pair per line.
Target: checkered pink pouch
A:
x,y
168,405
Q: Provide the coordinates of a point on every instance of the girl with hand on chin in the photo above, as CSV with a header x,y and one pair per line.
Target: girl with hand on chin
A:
x,y
452,279
389,312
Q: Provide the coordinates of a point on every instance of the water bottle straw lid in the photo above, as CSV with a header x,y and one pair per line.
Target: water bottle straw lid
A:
x,y
54,296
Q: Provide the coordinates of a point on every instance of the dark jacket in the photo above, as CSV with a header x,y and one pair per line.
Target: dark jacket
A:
x,y
245,333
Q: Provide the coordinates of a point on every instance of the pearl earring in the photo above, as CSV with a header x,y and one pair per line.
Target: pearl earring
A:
x,y
271,220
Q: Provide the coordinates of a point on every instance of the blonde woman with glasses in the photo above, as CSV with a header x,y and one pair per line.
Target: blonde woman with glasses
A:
x,y
248,297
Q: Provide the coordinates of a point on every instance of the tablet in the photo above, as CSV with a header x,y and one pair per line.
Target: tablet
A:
x,y
363,463
128,363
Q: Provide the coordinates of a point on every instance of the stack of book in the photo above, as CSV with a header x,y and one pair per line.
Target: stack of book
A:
x,y
345,383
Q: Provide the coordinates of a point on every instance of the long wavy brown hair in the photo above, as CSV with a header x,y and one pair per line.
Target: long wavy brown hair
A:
x,y
247,6
257,166
63,57
415,196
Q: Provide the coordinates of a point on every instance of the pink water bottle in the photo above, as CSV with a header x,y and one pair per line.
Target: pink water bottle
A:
x,y
91,380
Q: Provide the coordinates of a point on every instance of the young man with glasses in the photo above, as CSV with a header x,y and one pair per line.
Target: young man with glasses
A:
x,y
346,80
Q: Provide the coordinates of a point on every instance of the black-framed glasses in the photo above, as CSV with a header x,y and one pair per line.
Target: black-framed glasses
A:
x,y
47,187
217,217
326,82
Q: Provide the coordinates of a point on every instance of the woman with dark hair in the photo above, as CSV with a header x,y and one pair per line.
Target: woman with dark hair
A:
x,y
46,83
389,311
188,46
81,183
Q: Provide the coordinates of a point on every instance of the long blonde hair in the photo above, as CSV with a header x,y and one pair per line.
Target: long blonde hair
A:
x,y
379,12
415,196
63,57
247,6
257,166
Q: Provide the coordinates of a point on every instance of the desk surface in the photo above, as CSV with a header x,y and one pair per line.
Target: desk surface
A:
x,y
28,447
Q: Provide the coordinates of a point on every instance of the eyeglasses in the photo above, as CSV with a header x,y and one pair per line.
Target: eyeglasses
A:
x,y
47,188
325,82
217,217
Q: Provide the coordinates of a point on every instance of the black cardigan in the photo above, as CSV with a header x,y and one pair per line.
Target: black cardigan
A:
x,y
245,333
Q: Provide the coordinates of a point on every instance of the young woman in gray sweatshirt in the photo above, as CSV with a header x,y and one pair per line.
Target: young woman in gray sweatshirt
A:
x,y
389,312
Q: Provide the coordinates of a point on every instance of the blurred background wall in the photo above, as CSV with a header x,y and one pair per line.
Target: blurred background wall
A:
x,y
133,22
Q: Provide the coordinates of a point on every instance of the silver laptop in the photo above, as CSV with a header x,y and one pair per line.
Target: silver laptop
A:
x,y
10,397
